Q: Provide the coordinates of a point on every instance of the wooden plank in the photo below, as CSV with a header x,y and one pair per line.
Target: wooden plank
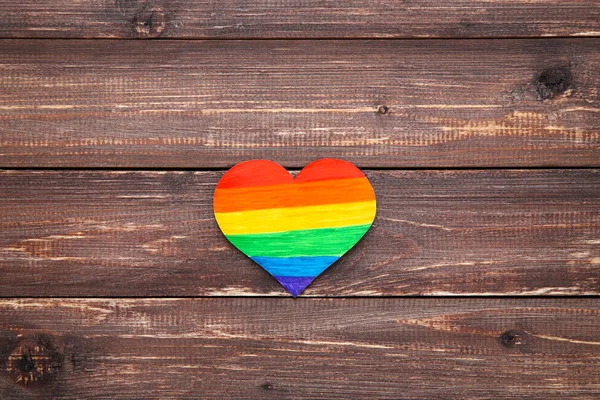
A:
x,y
475,103
480,232
298,19
300,349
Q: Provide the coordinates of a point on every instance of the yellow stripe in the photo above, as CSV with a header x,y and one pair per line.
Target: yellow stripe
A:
x,y
296,218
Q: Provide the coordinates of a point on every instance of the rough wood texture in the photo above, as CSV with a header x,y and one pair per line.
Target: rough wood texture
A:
x,y
375,103
300,349
297,18
500,232
193,105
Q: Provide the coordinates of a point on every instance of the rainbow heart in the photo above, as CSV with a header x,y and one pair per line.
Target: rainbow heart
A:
x,y
294,229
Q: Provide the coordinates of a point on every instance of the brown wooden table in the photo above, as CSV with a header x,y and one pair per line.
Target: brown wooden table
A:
x,y
477,122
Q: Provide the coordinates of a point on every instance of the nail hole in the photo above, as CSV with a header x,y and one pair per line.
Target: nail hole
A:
x,y
383,110
512,338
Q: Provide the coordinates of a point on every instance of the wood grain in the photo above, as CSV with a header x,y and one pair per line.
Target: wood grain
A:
x,y
301,349
166,115
480,232
297,18
464,103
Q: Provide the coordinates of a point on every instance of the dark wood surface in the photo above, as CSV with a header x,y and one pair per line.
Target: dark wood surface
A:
x,y
115,233
158,104
298,18
115,282
304,348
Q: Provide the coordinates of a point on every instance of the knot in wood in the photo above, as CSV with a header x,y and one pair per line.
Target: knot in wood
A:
x,y
383,110
34,362
553,81
514,338
149,22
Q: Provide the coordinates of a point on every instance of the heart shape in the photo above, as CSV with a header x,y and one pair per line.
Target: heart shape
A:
x,y
294,229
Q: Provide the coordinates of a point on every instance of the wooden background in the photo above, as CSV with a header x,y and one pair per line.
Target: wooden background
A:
x,y
477,122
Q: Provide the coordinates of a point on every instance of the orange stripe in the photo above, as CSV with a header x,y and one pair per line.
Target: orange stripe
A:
x,y
293,195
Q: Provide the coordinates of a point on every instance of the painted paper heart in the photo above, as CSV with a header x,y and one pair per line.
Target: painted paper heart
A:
x,y
294,229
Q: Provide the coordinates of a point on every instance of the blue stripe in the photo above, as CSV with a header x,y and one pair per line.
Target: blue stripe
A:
x,y
295,266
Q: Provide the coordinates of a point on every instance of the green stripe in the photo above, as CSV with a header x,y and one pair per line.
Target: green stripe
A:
x,y
309,242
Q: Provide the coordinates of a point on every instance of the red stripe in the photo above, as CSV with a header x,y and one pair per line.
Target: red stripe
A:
x,y
255,173
266,173
328,168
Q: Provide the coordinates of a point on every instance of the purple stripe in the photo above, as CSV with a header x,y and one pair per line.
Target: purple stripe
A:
x,y
295,285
